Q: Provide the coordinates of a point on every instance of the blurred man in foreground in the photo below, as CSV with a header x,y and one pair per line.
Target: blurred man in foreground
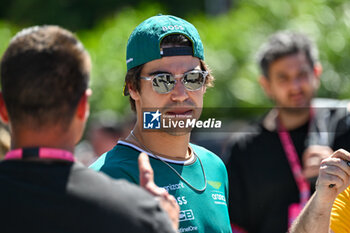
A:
x,y
44,78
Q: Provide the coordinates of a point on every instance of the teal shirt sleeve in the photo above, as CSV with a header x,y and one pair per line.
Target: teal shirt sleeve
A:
x,y
116,166
96,166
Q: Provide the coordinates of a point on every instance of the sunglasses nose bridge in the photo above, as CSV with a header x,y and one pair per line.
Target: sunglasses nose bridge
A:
x,y
179,77
179,82
179,92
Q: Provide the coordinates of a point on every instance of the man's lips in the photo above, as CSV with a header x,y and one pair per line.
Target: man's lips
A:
x,y
297,97
179,112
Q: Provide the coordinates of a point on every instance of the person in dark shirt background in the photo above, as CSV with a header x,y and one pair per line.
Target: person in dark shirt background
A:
x,y
272,170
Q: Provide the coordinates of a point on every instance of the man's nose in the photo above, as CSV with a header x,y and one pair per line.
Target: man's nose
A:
x,y
295,83
179,94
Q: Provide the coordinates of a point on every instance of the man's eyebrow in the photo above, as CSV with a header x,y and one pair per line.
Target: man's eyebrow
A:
x,y
193,69
158,72
167,72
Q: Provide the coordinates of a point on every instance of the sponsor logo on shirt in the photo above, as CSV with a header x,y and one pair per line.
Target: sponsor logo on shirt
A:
x,y
186,215
172,187
188,229
181,200
219,198
214,184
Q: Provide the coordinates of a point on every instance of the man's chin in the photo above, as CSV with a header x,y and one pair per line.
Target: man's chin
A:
x,y
175,132
295,109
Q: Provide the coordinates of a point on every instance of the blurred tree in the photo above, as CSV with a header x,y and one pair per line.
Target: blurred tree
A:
x,y
78,14
231,41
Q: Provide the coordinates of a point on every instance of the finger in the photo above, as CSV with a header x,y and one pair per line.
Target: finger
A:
x,y
327,178
147,176
174,204
335,170
170,205
337,162
332,176
145,170
342,154
157,191
171,199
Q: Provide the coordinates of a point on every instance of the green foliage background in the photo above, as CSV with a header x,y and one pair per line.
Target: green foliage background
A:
x,y
231,41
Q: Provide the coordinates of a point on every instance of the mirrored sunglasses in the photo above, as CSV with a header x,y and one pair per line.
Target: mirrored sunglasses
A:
x,y
165,82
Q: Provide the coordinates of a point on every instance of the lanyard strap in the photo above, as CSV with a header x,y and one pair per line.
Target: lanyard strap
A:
x,y
45,153
294,162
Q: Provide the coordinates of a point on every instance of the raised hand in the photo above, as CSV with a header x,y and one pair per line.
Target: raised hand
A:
x,y
167,201
334,174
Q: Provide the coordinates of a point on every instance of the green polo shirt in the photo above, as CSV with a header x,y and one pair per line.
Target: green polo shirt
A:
x,y
200,211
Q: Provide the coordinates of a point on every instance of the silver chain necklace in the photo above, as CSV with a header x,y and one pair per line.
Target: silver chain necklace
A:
x,y
173,169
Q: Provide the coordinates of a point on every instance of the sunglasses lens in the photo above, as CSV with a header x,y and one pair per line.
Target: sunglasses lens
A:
x,y
194,80
163,83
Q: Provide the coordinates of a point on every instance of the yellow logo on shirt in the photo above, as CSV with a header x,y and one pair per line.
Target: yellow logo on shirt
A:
x,y
214,184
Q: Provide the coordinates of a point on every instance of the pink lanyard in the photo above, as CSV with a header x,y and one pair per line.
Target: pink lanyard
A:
x,y
294,163
47,153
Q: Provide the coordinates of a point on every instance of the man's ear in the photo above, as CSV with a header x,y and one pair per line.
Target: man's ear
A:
x,y
3,110
265,84
83,109
133,93
318,69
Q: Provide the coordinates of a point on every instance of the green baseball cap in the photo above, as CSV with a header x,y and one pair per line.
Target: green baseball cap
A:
x,y
144,42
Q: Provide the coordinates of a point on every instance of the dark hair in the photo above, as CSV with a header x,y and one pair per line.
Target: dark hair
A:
x,y
284,44
44,73
132,76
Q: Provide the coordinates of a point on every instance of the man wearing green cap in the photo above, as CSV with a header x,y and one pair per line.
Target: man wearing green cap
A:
x,y
166,79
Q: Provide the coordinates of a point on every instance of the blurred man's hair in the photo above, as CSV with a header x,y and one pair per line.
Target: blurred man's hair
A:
x,y
44,73
132,76
283,44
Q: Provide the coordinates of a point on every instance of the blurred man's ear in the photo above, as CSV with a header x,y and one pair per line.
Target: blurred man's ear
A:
x,y
83,109
265,84
318,71
3,110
